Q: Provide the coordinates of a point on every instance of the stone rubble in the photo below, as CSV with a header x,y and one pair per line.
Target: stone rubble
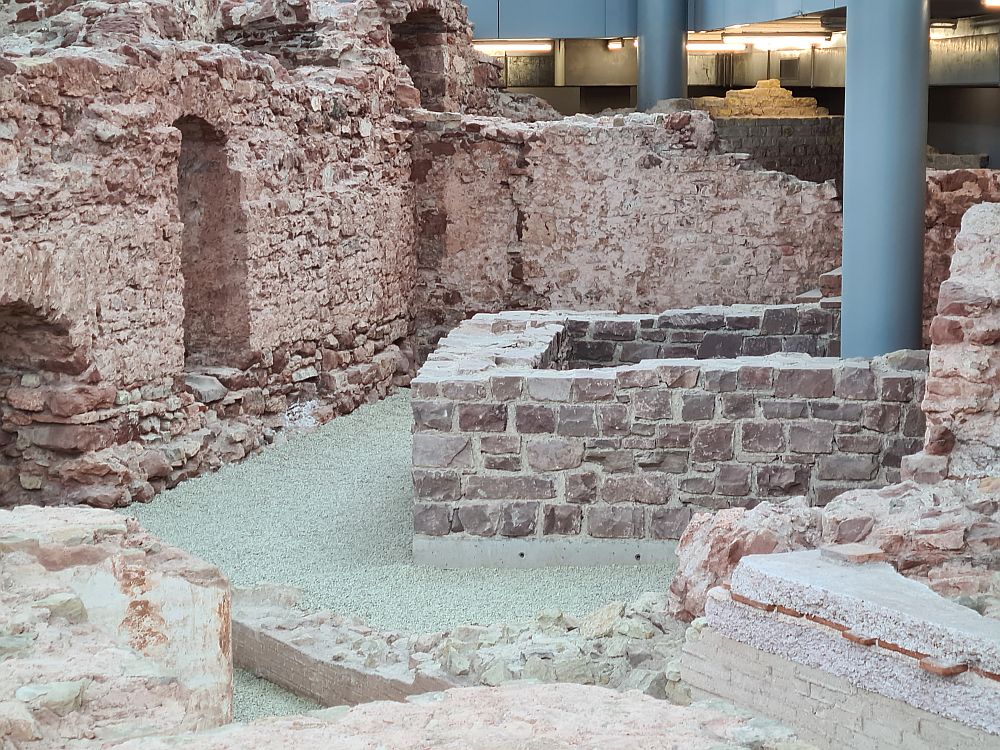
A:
x,y
333,659
560,717
106,633
946,536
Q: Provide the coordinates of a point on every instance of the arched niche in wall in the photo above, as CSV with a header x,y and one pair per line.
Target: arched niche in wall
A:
x,y
214,253
421,42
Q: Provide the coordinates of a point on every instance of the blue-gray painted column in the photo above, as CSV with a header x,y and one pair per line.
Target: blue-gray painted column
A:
x,y
662,26
885,153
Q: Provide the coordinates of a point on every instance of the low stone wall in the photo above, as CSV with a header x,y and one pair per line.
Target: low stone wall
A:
x,y
507,445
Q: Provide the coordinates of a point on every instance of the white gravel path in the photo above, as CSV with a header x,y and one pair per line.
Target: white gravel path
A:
x,y
329,512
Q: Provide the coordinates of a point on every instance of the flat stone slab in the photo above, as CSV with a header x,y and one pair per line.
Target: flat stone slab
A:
x,y
551,717
872,600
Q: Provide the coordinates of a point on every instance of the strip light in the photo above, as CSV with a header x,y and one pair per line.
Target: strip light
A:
x,y
991,3
716,47
775,42
618,44
498,49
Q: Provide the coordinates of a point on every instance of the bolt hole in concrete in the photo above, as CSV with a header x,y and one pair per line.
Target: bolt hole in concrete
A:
x,y
329,511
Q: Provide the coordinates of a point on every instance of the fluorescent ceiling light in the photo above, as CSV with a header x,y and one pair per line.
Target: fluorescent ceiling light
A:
x,y
618,44
716,47
776,42
507,48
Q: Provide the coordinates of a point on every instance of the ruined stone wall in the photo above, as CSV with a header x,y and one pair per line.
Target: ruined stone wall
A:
x,y
202,247
963,400
638,213
507,445
811,148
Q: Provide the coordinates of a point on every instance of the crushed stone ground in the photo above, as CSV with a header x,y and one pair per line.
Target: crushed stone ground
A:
x,y
328,511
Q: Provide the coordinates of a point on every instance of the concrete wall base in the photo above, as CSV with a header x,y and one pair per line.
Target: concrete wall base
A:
x,y
452,553
825,710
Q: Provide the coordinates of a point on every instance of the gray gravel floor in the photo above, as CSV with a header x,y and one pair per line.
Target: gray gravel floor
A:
x,y
329,512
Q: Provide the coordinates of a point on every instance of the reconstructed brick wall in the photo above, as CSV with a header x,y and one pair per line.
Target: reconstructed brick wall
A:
x,y
639,213
507,444
811,148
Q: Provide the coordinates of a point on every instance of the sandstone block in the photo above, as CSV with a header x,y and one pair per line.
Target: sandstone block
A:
x,y
669,523
577,421
713,443
582,488
554,455
804,383
432,520
482,417
653,404
763,437
509,488
433,415
810,437
615,522
438,486
562,520
647,489
518,519
442,451
534,420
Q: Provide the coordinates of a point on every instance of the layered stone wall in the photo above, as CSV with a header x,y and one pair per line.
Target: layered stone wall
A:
x,y
811,148
508,445
639,213
963,401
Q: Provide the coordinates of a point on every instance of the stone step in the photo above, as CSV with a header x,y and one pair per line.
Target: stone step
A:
x,y
811,297
830,303
830,283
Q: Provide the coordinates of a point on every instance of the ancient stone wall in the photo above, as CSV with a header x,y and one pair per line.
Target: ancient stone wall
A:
x,y
638,213
811,148
766,99
963,401
508,445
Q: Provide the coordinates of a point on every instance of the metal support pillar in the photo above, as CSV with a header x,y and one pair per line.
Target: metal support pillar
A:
x,y
885,184
663,27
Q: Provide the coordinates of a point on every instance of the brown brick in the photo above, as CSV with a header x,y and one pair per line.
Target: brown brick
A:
x,y
518,519
810,437
581,488
500,444
507,388
848,467
698,484
763,437
776,480
533,420
562,520
478,520
502,463
612,461
652,404
881,417
440,486
638,378
836,411
554,454
804,383
856,383
613,419
482,417
671,462
433,415
784,409
669,523
713,443
588,389
441,451
674,436
896,387
718,379
615,330
780,320
679,376
739,405
577,421
733,480
647,489
752,378
469,390
615,522
698,407
509,488
721,345
549,388
431,520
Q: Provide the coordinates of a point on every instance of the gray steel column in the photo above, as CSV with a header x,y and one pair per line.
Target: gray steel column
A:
x,y
663,27
885,155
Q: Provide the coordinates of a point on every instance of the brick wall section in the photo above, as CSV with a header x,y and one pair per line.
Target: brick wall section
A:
x,y
504,448
704,333
825,709
811,148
